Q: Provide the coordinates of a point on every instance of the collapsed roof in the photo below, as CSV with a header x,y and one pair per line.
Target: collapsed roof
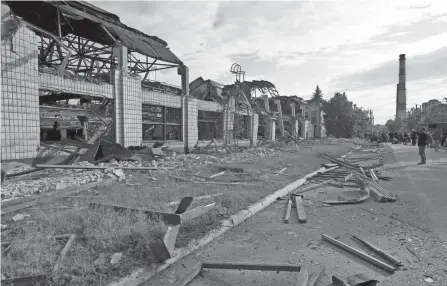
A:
x,y
206,90
90,22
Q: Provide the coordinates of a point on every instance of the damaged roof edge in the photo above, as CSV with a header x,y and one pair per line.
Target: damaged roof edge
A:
x,y
133,39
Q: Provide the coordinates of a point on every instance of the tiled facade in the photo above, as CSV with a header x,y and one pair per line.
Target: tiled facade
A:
x,y
21,82
132,117
20,97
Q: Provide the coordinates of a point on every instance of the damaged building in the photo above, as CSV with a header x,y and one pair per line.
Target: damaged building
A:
x,y
72,72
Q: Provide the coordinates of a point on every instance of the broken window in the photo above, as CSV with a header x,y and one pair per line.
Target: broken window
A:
x,y
161,123
210,125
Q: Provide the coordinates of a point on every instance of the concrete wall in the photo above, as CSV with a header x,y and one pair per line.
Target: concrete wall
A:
x,y
53,82
158,98
21,81
20,130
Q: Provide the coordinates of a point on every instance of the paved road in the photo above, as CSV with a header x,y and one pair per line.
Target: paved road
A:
x,y
428,182
264,238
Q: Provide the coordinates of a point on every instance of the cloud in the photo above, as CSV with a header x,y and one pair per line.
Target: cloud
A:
x,y
350,46
422,67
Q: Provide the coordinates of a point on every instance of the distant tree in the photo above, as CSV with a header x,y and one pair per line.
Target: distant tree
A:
x,y
340,118
317,96
394,125
412,119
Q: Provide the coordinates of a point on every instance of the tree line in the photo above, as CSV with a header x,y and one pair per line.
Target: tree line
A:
x,y
343,118
414,117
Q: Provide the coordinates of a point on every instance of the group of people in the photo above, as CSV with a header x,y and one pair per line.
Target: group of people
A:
x,y
432,139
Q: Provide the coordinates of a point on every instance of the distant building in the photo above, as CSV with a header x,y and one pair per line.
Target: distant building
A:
x,y
426,106
434,115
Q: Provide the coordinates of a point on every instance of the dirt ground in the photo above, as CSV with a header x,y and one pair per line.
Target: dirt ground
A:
x,y
100,234
399,228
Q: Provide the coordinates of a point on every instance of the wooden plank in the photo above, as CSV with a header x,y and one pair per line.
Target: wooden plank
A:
x,y
197,211
171,237
230,169
303,277
170,219
64,252
99,167
251,266
35,280
217,175
159,250
288,210
359,253
314,277
300,209
395,261
373,175
348,177
195,270
184,205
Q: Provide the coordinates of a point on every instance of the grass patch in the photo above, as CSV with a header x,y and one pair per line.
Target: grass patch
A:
x,y
103,232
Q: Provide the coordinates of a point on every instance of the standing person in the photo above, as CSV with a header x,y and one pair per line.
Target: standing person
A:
x,y
423,140
413,137
405,138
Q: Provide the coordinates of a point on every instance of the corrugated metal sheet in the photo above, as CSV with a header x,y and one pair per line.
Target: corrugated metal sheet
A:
x,y
131,39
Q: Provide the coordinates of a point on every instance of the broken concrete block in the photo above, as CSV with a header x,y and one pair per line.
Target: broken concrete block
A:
x,y
18,217
116,257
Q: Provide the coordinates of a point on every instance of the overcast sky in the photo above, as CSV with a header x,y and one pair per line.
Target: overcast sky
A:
x,y
348,46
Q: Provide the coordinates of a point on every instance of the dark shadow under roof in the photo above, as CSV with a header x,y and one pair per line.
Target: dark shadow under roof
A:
x,y
84,19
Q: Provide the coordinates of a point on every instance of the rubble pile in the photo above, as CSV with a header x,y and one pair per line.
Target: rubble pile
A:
x,y
57,179
45,180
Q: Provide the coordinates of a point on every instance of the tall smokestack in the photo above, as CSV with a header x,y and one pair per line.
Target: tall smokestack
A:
x,y
401,98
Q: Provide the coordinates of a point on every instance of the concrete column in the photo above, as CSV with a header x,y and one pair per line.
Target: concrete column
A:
x,y
254,123
120,52
228,121
183,71
272,130
280,119
127,102
318,121
293,120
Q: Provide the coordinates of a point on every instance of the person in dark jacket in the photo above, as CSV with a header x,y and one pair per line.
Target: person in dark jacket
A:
x,y
423,141
413,138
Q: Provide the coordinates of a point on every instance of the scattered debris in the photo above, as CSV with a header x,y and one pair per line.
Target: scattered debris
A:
x,y
251,266
359,253
303,277
116,257
299,208
392,259
355,280
64,252
353,201
315,276
18,217
288,210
